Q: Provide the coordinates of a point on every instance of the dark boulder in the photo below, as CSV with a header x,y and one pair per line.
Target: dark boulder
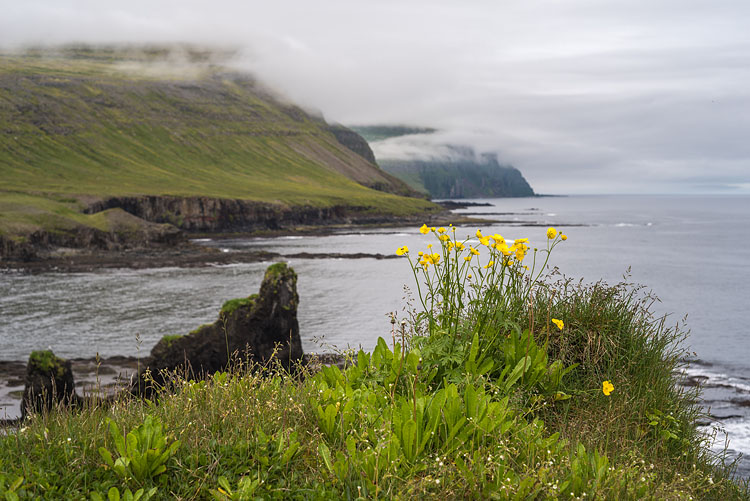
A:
x,y
48,382
255,329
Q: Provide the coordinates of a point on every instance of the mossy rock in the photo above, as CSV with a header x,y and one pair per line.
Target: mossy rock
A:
x,y
256,328
48,382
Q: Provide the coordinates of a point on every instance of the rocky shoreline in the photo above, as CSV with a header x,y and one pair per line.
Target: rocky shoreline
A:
x,y
94,376
87,256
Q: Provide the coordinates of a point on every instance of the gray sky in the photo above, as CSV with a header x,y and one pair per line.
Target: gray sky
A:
x,y
583,96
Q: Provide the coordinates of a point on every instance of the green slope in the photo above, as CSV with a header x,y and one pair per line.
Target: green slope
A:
x,y
82,124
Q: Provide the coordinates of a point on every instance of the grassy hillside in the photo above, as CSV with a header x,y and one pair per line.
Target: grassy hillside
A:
x,y
78,124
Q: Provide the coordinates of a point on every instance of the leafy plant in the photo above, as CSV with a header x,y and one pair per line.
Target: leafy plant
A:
x,y
245,490
143,452
9,487
114,495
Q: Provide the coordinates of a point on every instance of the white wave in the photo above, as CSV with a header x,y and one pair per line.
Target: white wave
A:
x,y
551,214
292,237
624,225
201,239
717,378
735,431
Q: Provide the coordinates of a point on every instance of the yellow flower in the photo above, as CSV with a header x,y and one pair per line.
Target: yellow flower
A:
x,y
558,323
479,234
420,253
444,237
489,265
430,259
460,246
424,230
498,239
563,236
551,233
503,247
402,250
467,258
441,230
484,240
607,388
521,252
473,251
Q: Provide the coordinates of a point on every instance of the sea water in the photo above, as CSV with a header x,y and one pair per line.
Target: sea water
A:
x,y
691,251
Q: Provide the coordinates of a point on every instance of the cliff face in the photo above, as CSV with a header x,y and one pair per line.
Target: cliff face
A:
x,y
462,177
353,141
204,214
121,231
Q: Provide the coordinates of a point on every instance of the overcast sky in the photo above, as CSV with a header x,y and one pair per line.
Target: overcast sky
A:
x,y
583,96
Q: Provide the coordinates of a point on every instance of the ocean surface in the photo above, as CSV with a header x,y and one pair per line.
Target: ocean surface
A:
x,y
693,252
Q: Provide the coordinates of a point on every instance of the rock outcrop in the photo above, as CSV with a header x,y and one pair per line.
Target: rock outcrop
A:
x,y
207,214
123,231
353,141
48,382
256,329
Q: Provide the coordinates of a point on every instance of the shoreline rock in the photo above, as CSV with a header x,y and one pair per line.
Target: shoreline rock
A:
x,y
48,383
255,330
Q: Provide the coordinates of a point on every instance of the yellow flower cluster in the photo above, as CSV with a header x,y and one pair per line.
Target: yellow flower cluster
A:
x,y
428,259
558,323
497,245
607,387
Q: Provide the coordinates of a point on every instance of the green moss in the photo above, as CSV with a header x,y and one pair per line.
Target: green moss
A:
x,y
231,306
200,328
170,338
276,270
46,361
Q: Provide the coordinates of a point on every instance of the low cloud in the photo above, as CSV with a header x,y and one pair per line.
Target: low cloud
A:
x,y
583,97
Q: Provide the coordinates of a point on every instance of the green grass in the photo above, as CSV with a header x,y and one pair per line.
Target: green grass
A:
x,y
82,125
437,411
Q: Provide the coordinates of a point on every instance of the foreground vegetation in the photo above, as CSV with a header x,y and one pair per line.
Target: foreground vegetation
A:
x,y
500,384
